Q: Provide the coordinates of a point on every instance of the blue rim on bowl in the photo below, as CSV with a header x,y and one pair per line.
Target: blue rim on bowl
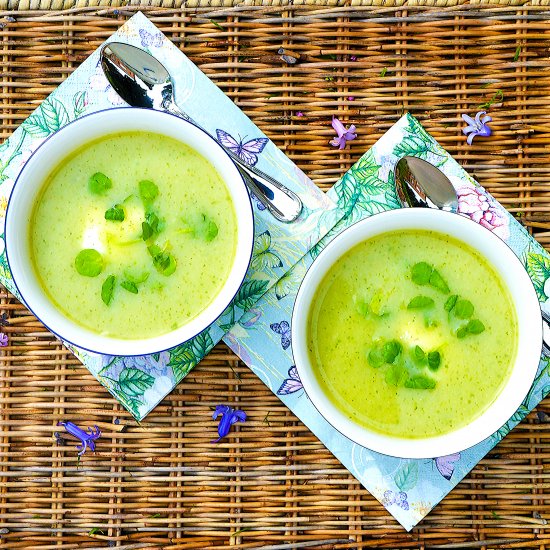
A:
x,y
31,179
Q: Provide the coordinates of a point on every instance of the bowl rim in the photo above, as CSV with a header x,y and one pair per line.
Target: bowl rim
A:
x,y
414,448
111,342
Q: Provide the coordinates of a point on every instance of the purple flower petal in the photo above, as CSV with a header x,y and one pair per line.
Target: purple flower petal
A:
x,y
477,126
3,340
229,417
87,439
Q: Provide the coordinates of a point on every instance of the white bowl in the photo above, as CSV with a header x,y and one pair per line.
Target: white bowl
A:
x,y
49,155
524,299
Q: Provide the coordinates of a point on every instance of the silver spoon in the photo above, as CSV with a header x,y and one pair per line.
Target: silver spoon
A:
x,y
143,81
420,183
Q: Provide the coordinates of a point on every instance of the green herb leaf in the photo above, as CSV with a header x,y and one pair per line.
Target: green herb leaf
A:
x,y
383,72
475,326
437,281
450,302
99,183
517,54
146,231
464,309
202,227
420,382
421,272
434,360
462,332
390,351
89,262
148,191
107,289
129,286
163,261
420,302
419,354
136,278
396,375
115,214
376,357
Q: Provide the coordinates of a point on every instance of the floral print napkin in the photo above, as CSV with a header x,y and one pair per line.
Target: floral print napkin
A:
x,y
139,383
408,488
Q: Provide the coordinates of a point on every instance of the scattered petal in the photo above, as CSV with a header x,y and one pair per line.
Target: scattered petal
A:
x,y
3,340
344,134
351,98
476,127
299,113
353,58
229,416
87,438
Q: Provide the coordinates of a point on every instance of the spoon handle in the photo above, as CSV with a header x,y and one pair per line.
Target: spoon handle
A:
x,y
282,203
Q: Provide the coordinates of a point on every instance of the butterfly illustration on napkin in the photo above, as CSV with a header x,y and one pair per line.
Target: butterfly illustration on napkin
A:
x,y
150,39
397,498
446,465
291,384
247,151
282,328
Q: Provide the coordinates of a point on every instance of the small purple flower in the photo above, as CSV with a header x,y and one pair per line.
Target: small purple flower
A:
x,y
3,340
477,127
344,134
299,113
353,58
87,438
229,417
351,98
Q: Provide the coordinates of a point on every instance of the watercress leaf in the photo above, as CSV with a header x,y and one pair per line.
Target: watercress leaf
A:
x,y
420,302
434,360
437,281
396,375
462,332
420,382
99,183
430,322
450,302
129,286
475,326
148,191
107,289
136,278
463,309
89,262
421,272
419,354
115,213
390,351
146,231
154,250
375,357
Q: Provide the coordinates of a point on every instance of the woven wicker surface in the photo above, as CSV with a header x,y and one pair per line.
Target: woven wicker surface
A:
x,y
271,484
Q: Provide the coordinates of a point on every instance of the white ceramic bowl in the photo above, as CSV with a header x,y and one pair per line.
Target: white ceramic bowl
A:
x,y
524,298
49,155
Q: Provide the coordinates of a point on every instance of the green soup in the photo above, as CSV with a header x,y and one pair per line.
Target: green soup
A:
x,y
133,235
412,334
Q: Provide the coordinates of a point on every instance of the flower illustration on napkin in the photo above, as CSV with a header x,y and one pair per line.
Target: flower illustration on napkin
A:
x,y
483,209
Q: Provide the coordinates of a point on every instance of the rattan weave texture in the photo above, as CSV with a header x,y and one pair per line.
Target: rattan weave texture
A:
x,y
271,484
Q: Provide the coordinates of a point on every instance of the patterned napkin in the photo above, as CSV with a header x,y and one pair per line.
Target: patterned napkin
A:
x,y
409,489
139,383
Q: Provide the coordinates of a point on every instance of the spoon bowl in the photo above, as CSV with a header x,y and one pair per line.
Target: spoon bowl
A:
x,y
420,183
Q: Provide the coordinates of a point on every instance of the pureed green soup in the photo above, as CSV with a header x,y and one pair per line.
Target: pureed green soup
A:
x,y
412,334
133,235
